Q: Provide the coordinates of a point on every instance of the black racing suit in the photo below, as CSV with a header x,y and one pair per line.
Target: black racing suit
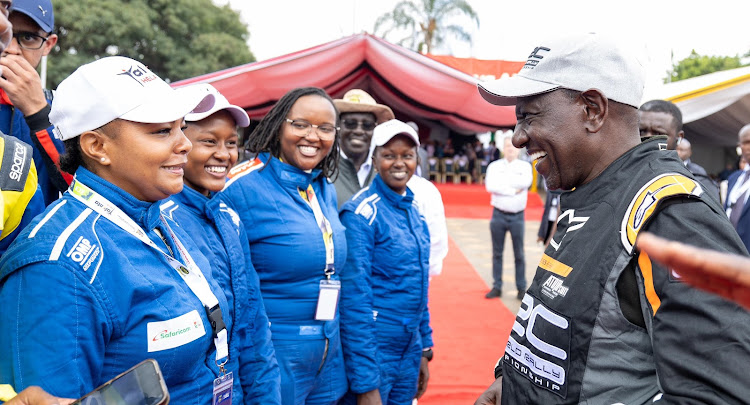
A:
x,y
601,324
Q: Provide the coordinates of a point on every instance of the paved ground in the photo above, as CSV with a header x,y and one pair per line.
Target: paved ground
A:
x,y
473,238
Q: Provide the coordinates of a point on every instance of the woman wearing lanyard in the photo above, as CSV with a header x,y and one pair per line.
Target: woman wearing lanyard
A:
x,y
385,323
101,280
297,243
216,230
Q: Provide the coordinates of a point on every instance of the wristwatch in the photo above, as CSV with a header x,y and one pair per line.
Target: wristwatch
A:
x,y
427,354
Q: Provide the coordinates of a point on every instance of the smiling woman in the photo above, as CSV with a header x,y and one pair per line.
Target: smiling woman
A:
x,y
297,244
385,322
221,238
103,258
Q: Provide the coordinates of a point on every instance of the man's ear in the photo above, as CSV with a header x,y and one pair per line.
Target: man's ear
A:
x,y
596,109
49,44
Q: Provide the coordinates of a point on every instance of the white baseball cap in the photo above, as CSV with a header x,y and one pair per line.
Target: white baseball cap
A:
x,y
221,103
118,87
579,62
384,132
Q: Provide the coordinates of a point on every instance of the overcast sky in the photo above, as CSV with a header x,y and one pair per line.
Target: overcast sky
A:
x,y
509,30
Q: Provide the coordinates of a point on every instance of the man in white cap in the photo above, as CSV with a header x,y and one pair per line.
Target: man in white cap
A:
x,y
359,113
600,323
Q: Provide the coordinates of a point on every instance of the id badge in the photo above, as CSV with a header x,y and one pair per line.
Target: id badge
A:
x,y
328,299
223,389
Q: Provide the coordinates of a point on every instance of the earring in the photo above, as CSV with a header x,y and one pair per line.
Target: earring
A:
x,y
103,159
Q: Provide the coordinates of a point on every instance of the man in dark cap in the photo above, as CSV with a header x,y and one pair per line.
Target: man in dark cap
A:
x,y
24,103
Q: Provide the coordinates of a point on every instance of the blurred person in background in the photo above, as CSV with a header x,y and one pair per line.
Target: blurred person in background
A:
x,y
24,103
359,113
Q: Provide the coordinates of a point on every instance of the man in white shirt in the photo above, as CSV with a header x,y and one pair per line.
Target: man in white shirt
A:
x,y
507,180
738,191
430,205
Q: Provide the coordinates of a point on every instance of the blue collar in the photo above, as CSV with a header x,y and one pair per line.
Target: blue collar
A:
x,y
192,200
393,198
288,175
144,213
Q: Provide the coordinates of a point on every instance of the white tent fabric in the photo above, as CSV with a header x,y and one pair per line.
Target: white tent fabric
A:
x,y
714,106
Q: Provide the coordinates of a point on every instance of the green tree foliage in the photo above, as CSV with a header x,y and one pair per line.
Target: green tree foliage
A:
x,y
177,39
697,65
428,22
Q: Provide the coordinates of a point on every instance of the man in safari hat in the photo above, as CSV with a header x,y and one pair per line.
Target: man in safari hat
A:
x,y
359,114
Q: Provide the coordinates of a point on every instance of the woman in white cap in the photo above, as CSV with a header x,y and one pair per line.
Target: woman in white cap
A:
x,y
298,246
359,113
102,280
220,236
385,322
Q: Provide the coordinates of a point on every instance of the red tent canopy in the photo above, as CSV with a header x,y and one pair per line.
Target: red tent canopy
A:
x,y
413,85
481,68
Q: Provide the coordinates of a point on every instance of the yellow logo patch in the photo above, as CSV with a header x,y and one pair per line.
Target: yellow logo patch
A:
x,y
648,198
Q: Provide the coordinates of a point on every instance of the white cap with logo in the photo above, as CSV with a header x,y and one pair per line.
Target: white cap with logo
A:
x,y
579,62
119,87
384,132
221,103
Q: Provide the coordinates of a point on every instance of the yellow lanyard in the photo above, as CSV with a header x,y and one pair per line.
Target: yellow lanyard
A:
x,y
325,226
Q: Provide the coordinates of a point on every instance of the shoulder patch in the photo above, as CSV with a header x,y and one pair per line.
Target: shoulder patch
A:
x,y
648,198
244,168
368,208
16,164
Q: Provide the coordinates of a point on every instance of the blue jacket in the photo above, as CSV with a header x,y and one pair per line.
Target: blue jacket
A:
x,y
386,277
22,199
743,224
83,300
13,123
216,230
286,244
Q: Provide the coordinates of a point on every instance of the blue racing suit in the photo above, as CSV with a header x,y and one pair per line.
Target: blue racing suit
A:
x,y
385,321
219,235
289,254
83,300
22,198
36,130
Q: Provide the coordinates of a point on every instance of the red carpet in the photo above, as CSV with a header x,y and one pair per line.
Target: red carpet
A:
x,y
473,201
470,333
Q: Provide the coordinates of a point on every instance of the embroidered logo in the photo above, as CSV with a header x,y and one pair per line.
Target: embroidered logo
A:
x,y
140,74
19,161
535,57
572,219
84,252
554,287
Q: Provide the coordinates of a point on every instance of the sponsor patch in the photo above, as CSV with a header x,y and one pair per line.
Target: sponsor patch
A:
x,y
648,198
539,345
554,287
15,165
174,332
554,266
84,252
